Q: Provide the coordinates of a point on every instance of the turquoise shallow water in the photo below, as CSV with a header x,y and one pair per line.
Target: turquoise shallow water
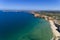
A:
x,y
23,26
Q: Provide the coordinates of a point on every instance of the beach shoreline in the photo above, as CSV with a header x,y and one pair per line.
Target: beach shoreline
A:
x,y
56,34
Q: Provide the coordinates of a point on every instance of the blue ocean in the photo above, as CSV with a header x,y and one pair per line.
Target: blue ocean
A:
x,y
23,26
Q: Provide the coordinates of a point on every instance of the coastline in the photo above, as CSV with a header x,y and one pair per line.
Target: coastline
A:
x,y
56,34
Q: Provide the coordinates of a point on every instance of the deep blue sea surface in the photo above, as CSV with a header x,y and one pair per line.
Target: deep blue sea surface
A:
x,y
23,26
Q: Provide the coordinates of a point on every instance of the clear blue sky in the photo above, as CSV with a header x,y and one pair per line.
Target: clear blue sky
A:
x,y
30,4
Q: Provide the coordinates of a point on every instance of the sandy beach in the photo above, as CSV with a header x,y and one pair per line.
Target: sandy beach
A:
x,y
56,34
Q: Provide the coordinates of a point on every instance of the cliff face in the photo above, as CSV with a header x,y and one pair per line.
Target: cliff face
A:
x,y
57,22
